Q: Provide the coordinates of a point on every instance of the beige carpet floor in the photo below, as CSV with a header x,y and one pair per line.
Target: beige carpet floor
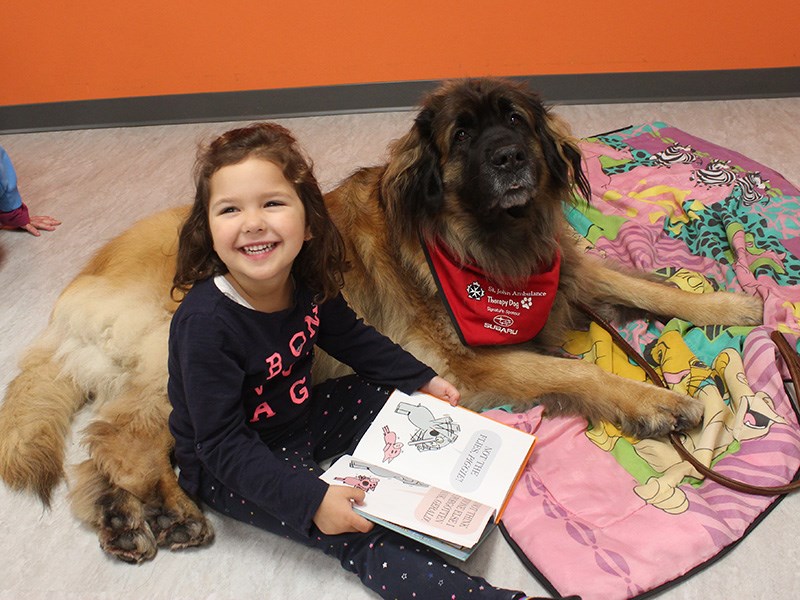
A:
x,y
98,182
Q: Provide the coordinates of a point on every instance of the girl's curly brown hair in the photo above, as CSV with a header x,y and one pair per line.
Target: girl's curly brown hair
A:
x,y
321,263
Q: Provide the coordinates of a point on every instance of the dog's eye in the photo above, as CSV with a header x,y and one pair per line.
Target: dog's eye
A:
x,y
515,118
460,135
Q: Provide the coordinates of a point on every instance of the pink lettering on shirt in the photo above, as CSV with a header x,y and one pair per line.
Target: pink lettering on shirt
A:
x,y
299,391
275,365
312,322
297,342
262,409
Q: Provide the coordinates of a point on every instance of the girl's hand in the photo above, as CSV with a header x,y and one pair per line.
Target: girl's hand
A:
x,y
335,515
41,222
441,388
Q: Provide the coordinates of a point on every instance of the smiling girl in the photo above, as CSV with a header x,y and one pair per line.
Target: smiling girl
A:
x,y
260,266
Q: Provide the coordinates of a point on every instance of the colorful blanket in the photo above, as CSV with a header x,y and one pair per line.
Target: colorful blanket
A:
x,y
606,516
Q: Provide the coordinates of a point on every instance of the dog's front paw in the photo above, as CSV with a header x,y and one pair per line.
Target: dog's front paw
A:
x,y
748,310
660,412
130,540
727,308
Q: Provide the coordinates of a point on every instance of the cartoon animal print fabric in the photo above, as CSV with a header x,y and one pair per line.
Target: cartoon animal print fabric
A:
x,y
704,218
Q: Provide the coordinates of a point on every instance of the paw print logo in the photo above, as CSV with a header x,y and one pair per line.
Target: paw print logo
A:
x,y
526,303
475,291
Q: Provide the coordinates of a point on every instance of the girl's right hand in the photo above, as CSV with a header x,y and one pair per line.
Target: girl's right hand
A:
x,y
336,515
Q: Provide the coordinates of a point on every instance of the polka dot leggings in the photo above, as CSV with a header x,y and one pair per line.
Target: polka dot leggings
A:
x,y
391,565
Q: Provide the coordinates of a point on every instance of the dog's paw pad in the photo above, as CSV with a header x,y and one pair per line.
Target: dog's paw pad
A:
x,y
674,412
129,545
175,532
187,534
688,414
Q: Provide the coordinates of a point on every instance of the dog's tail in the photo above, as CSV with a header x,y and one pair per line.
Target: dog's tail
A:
x,y
35,419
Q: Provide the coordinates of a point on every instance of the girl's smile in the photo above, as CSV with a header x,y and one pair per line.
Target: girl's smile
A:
x,y
259,249
258,226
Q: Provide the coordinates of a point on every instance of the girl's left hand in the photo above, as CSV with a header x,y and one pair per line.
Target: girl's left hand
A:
x,y
441,388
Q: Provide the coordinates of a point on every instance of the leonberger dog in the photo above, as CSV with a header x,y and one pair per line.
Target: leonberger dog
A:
x,y
481,179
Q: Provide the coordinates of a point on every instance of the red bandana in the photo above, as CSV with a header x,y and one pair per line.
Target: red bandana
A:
x,y
485,313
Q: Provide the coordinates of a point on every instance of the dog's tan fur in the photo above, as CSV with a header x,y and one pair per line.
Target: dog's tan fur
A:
x,y
106,340
106,343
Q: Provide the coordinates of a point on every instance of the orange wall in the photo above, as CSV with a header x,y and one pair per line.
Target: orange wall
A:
x,y
91,49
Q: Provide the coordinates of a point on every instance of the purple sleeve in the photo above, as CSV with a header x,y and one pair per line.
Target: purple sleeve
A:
x,y
15,218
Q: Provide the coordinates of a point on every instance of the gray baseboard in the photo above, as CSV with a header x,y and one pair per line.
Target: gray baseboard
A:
x,y
374,97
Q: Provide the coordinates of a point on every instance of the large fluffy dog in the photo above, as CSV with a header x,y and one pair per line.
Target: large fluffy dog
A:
x,y
481,176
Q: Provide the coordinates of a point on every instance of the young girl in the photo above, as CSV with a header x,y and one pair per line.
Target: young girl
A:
x,y
260,265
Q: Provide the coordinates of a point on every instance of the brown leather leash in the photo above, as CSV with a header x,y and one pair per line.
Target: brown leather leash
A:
x,y
790,357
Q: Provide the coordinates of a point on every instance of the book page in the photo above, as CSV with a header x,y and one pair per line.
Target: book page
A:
x,y
443,546
411,503
452,448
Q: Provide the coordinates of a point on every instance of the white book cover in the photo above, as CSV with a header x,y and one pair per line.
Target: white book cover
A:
x,y
443,471
410,503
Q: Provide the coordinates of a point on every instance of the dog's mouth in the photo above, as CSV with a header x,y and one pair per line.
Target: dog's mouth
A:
x,y
512,198
515,195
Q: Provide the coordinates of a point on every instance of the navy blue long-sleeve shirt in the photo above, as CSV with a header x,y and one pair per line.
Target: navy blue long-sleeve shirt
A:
x,y
239,377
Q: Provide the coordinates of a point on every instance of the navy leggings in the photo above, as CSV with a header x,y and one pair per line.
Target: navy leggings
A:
x,y
391,565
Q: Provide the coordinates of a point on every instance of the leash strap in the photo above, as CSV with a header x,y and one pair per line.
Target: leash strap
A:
x,y
790,357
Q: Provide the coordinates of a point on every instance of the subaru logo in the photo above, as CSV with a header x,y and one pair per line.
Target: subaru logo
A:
x,y
503,321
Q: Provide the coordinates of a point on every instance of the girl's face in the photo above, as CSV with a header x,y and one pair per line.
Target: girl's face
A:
x,y
258,226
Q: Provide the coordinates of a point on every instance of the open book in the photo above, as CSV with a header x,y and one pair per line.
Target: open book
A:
x,y
436,473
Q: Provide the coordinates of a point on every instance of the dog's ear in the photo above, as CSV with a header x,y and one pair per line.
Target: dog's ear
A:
x,y
412,189
561,153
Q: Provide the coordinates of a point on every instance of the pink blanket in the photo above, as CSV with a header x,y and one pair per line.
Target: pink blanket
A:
x,y
609,517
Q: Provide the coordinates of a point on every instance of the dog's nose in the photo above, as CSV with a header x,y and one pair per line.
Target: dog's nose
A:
x,y
509,157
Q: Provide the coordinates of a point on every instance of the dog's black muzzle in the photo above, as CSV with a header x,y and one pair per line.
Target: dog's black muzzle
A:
x,y
505,170
509,158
